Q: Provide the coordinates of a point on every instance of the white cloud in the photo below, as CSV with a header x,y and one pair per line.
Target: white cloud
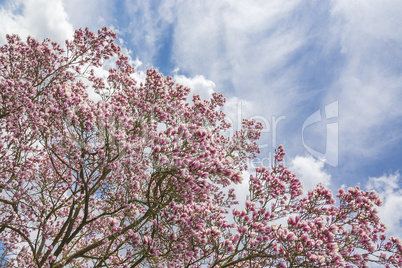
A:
x,y
234,108
38,18
140,77
309,171
199,85
387,186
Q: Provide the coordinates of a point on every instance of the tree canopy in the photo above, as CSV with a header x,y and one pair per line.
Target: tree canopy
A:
x,y
139,177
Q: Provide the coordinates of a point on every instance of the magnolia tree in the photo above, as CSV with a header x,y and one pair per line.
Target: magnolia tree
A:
x,y
140,177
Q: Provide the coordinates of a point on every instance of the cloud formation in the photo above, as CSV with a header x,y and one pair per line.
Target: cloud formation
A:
x,y
38,18
369,83
387,186
309,171
199,85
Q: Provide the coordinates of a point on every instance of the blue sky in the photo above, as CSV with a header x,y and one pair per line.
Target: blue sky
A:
x,y
277,61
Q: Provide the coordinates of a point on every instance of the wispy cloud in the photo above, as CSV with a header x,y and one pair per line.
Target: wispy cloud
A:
x,y
147,29
93,14
369,85
241,47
